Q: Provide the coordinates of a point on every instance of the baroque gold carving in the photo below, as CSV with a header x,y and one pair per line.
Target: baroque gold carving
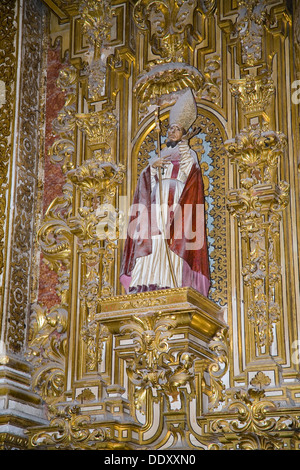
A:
x,y
152,366
62,150
99,127
96,18
7,68
97,178
55,236
69,429
253,92
47,351
167,22
258,205
144,302
252,425
249,26
217,369
256,151
160,374
24,169
96,21
163,79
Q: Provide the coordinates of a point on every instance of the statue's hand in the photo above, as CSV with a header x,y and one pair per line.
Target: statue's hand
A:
x,y
161,162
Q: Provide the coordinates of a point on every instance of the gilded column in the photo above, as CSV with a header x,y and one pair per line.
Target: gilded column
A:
x,y
22,26
261,195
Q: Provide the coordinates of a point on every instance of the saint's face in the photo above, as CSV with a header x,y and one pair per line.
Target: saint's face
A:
x,y
175,133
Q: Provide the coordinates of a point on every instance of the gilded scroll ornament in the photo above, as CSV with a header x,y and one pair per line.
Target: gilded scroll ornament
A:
x,y
217,369
55,236
62,150
47,351
252,423
69,429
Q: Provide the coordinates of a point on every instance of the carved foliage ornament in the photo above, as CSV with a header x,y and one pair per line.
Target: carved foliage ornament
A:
x,y
71,430
96,17
256,150
47,351
152,367
62,150
252,423
96,20
167,22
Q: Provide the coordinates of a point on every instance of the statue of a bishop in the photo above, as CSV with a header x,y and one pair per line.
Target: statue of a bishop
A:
x,y
166,243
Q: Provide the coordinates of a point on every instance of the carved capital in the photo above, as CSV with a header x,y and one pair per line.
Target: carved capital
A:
x,y
253,92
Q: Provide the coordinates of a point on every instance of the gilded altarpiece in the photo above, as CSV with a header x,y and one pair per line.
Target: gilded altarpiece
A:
x,y
168,369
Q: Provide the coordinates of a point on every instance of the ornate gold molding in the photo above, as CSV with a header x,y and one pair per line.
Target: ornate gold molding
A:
x,y
8,70
254,423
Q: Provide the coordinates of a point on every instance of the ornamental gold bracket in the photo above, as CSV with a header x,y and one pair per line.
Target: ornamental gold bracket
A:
x,y
152,366
161,360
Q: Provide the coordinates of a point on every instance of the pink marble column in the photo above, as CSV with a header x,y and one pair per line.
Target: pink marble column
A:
x,y
53,175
